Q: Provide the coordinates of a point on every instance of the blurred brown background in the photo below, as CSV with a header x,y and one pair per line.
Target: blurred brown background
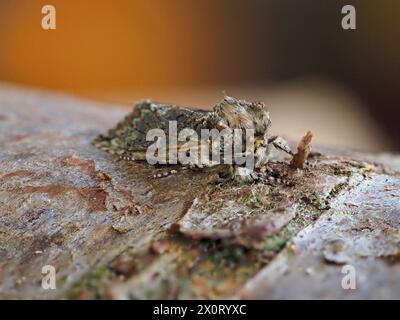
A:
x,y
294,55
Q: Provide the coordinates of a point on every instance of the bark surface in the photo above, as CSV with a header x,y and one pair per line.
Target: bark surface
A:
x,y
112,231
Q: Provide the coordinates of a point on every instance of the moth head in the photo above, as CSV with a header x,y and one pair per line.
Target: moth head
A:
x,y
234,113
260,116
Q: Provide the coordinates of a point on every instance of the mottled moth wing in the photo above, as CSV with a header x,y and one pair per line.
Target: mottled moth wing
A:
x,y
128,138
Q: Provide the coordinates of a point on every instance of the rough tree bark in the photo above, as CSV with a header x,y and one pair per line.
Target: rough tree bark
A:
x,y
112,232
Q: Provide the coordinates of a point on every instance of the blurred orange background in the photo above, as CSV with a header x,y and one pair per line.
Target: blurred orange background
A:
x,y
190,51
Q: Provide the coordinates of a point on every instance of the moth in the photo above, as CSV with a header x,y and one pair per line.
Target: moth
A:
x,y
128,139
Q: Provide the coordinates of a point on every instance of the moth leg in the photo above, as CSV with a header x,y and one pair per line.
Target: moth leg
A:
x,y
167,173
133,155
261,156
164,174
281,144
246,175
126,157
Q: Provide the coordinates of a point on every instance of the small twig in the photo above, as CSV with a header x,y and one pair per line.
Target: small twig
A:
x,y
303,151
